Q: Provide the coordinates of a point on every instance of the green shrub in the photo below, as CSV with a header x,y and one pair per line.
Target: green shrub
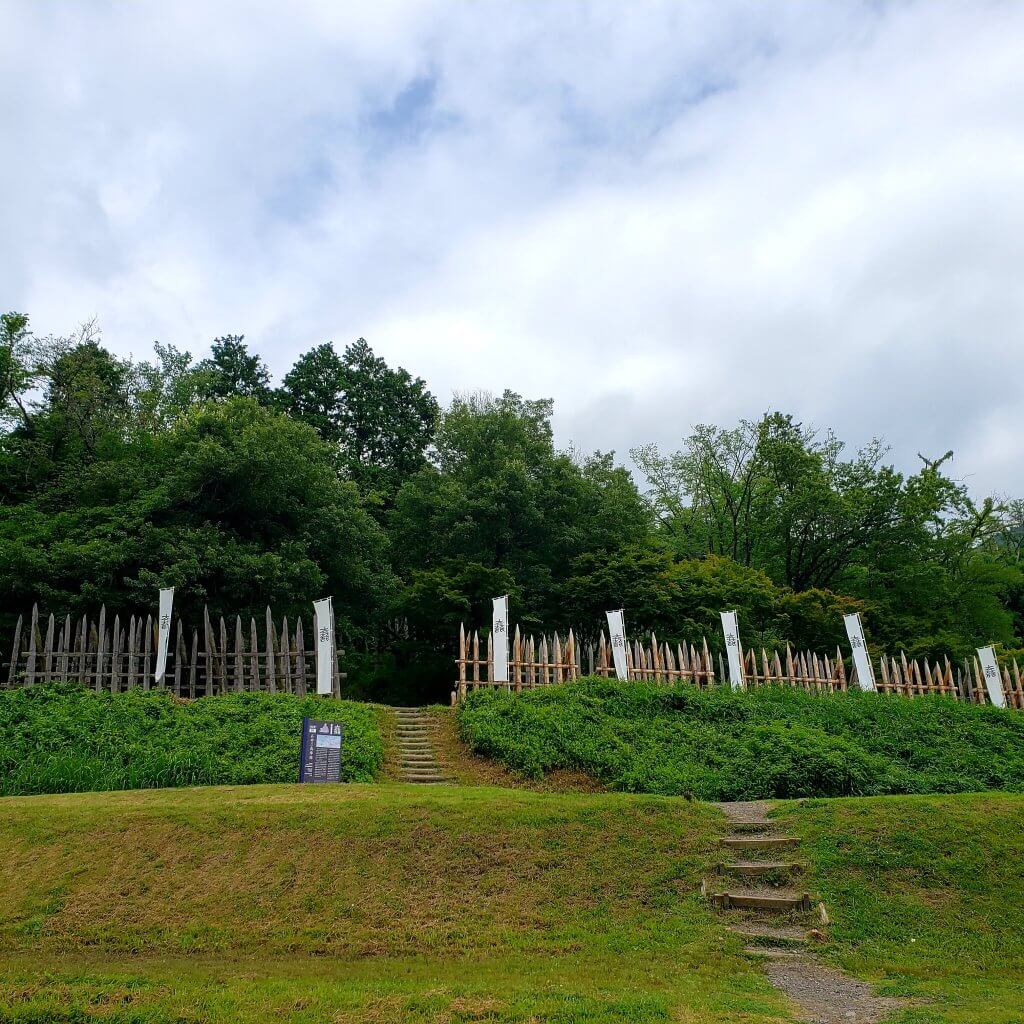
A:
x,y
770,742
66,739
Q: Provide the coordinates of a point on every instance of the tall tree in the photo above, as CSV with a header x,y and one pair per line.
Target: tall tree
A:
x,y
502,501
233,371
381,419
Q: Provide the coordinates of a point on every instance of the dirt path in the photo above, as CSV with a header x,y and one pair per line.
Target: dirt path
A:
x,y
759,885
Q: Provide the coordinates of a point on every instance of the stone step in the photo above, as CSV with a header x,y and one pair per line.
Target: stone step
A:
x,y
759,842
776,900
751,827
424,778
416,745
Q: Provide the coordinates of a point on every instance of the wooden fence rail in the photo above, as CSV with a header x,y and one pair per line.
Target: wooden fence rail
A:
x,y
118,655
551,660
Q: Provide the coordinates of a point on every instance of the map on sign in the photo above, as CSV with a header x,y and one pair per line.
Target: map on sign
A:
x,y
321,751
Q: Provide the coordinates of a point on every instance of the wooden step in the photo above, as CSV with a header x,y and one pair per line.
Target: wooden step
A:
x,y
750,827
776,900
759,842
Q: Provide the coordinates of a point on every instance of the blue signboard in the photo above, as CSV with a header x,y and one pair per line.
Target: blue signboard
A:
x,y
321,751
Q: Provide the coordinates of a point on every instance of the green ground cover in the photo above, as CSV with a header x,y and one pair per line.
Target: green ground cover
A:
x,y
925,896
380,903
448,905
772,742
59,739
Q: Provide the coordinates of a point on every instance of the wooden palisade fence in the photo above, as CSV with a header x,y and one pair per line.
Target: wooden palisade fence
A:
x,y
118,655
551,660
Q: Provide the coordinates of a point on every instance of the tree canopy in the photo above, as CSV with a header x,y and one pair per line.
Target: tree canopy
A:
x,y
347,478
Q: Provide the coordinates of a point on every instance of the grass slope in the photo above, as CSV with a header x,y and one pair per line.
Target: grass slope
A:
x,y
926,896
59,739
773,742
365,903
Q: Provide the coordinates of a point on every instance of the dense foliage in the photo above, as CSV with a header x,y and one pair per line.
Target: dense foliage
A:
x,y
719,744
65,739
117,477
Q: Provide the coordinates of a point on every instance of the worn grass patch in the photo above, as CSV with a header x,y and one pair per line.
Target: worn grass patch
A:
x,y
365,903
925,895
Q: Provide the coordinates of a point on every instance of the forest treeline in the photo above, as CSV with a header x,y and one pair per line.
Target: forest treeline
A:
x,y
347,478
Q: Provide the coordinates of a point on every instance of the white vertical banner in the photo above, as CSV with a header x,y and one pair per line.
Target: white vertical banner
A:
x,y
499,639
163,631
859,646
993,680
731,631
323,611
617,635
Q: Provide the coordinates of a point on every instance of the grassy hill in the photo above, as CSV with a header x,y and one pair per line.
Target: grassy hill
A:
x,y
926,897
772,742
390,903
368,903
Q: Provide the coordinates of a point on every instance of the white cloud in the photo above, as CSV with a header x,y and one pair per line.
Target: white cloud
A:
x,y
656,213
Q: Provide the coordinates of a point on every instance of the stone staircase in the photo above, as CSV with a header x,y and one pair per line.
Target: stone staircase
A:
x,y
758,883
416,757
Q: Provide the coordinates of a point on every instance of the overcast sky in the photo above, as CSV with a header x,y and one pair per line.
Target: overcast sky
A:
x,y
656,213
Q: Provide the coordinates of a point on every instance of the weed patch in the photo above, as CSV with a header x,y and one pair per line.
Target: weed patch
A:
x,y
66,739
770,742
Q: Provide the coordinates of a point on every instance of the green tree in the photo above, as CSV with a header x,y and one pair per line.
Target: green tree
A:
x,y
381,419
231,371
501,497
18,369
235,505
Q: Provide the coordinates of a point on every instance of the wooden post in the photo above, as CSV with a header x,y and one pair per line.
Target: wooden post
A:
x,y
300,658
286,661
254,654
193,664
179,656
101,642
12,672
30,660
271,674
209,686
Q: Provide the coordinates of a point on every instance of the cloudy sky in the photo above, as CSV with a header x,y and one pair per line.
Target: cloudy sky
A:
x,y
656,213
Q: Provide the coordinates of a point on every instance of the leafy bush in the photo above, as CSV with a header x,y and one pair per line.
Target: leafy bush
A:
x,y
770,742
65,739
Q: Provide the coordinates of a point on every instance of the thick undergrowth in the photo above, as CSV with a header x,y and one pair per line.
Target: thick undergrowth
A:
x,y
66,739
772,742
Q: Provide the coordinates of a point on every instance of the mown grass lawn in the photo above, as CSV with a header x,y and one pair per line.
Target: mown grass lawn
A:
x,y
365,903
927,898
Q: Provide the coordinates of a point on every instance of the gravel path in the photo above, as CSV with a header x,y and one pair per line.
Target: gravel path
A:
x,y
826,996
822,995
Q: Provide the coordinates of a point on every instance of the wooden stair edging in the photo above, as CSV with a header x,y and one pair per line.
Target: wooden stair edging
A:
x,y
753,883
761,901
